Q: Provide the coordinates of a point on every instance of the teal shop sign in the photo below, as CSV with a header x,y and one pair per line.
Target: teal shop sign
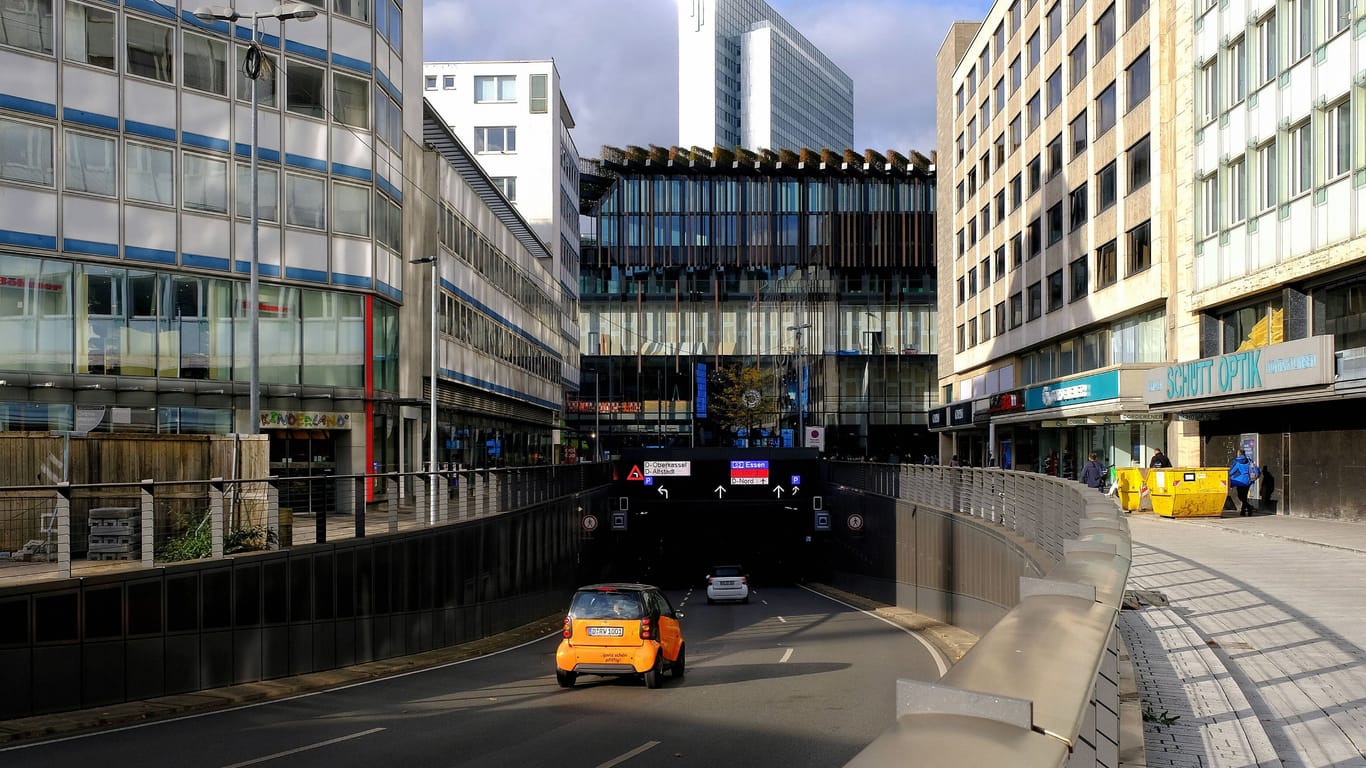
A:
x,y
1074,391
1299,363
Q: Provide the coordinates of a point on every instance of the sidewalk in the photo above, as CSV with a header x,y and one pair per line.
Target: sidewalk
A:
x,y
1250,648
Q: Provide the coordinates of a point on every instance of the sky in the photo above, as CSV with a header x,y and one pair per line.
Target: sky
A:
x,y
618,59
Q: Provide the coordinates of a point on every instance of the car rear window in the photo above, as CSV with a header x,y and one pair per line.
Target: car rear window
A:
x,y
606,605
728,570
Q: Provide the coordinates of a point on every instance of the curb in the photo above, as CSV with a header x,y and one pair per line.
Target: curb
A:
x,y
953,642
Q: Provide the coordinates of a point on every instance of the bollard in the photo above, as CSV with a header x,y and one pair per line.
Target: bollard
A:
x,y
443,504
63,509
272,514
394,490
358,504
420,499
148,493
216,516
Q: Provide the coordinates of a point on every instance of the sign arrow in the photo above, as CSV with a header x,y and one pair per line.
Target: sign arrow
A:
x,y
778,490
664,492
720,489
796,488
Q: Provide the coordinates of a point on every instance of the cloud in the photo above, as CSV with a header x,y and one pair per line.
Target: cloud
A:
x,y
618,59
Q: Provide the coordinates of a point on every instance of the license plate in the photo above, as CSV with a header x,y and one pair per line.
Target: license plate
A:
x,y
605,631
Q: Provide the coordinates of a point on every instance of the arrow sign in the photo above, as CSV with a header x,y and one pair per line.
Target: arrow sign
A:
x,y
720,489
796,488
664,492
778,490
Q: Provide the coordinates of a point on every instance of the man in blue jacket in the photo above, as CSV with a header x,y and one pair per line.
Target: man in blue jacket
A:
x,y
1242,474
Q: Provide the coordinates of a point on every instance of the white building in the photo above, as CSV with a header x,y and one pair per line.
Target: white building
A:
x,y
746,77
512,116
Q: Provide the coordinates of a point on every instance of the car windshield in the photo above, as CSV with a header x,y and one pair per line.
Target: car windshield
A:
x,y
606,605
727,570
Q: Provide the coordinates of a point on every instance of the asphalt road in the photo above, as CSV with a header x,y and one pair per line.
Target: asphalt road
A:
x,y
792,679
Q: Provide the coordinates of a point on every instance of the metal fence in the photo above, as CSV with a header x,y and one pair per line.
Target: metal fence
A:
x,y
1040,688
57,531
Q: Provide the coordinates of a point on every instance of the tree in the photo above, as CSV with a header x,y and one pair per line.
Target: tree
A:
x,y
728,407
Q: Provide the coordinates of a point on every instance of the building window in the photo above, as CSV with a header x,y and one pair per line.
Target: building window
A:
x,y
1208,85
1034,233
27,25
962,290
496,138
490,88
1237,191
1015,16
1035,292
972,331
305,201
1139,163
150,49
1106,187
961,148
1344,310
1136,10
1077,5
1264,48
1337,139
540,98
350,209
972,131
265,83
1140,247
1054,223
1000,206
1081,281
1016,134
972,181
1076,208
1016,251
1032,114
507,185
1300,159
1105,110
1105,265
984,62
962,338
429,83
1000,312
1105,32
204,183
351,100
1053,20
448,82
1266,176
972,281
985,324
1054,90
89,34
959,101
1016,192
1055,156
1076,64
962,242
1299,32
26,152
1339,15
1139,82
1015,75
267,193
1236,70
304,89
354,9
1035,179
1055,296
1033,50
206,64
1017,310
1208,188
149,174
984,268
388,223
91,165
1000,95
1078,134
1001,257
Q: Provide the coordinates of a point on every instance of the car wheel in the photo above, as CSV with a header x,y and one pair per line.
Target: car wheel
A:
x,y
679,663
565,679
711,601
655,677
745,600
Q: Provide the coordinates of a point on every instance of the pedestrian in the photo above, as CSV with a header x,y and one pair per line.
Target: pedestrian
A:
x,y
1242,474
955,461
1160,460
1093,472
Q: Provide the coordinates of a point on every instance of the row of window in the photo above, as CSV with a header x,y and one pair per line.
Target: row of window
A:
x,y
90,165
498,89
471,326
466,242
1135,339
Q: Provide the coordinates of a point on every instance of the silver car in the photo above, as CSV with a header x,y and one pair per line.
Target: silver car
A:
x,y
727,582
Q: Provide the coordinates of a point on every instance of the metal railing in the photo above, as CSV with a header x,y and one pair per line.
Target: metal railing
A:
x,y
1040,688
57,531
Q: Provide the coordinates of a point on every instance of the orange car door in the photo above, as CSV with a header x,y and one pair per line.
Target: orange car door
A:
x,y
670,634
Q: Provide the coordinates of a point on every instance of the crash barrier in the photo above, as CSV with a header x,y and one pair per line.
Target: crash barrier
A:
x,y
1040,688
217,583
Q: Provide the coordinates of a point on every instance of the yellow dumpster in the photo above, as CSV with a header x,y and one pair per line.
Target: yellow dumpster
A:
x,y
1132,488
1188,492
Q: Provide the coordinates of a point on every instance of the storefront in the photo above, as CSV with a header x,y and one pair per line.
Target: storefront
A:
x,y
1011,445
962,433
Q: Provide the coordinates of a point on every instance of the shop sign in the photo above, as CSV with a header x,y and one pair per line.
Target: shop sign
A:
x,y
1006,402
1140,417
960,414
939,418
305,420
1298,363
1074,391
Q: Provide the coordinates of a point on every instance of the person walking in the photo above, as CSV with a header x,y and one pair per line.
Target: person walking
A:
x,y
1160,460
1093,472
1241,475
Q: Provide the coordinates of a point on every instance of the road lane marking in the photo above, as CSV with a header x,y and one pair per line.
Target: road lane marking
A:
x,y
304,748
619,759
780,618
934,652
786,655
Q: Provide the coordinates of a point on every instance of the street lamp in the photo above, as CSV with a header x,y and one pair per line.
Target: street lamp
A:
x,y
801,385
436,282
253,71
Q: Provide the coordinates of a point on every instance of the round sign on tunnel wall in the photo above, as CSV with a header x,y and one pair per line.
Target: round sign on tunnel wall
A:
x,y
855,522
590,523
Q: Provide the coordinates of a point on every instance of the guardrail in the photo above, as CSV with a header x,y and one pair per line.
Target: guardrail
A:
x,y
1040,688
56,531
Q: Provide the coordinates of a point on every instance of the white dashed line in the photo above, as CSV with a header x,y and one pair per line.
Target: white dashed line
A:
x,y
780,618
786,655
618,760
306,748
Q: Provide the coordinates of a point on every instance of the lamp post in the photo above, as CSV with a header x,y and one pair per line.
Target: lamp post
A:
x,y
284,12
801,384
431,466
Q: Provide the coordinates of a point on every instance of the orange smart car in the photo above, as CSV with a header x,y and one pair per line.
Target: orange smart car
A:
x,y
620,629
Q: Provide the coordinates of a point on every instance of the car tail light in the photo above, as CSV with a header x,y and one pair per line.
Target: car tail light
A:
x,y
645,631
708,580
744,579
568,627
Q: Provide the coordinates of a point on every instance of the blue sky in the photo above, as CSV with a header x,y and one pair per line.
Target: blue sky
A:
x,y
618,59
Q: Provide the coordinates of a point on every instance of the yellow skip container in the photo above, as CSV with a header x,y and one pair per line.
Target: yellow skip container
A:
x,y
1188,492
1132,488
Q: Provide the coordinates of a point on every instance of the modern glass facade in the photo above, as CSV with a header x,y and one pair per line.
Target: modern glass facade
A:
x,y
824,279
